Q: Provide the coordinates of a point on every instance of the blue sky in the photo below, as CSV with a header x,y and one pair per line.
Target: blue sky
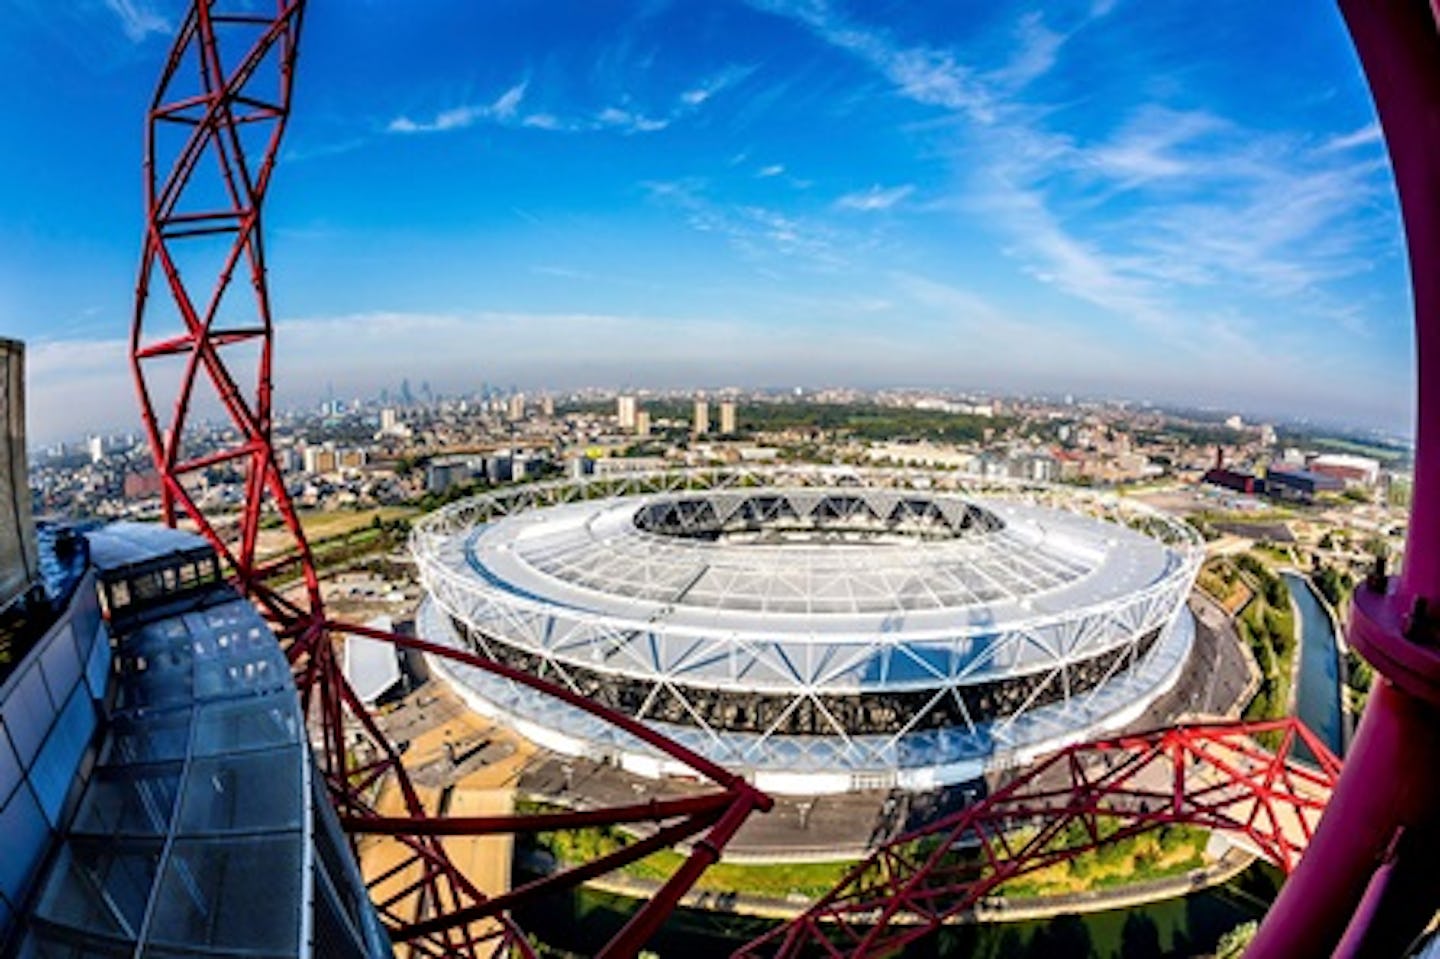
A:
x,y
1185,201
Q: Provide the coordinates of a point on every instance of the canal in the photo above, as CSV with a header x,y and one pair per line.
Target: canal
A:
x,y
1317,697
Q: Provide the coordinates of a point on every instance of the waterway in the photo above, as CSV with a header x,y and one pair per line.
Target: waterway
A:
x,y
1180,928
1317,698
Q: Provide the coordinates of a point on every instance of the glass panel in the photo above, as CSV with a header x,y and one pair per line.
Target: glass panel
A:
x,y
250,791
100,886
248,724
155,670
129,799
28,714
235,676
25,835
59,758
62,944
97,670
232,893
156,738
61,663
9,765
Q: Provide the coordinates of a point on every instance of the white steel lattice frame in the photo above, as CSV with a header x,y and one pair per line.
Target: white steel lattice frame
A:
x,y
807,666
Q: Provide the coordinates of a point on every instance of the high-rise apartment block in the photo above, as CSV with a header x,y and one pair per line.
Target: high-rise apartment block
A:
x,y
727,417
625,408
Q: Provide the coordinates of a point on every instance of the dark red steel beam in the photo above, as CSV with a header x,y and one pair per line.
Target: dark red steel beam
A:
x,y
557,882
1130,784
634,727
655,810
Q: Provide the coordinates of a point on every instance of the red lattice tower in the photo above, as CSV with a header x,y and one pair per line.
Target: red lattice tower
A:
x,y
215,127
1213,776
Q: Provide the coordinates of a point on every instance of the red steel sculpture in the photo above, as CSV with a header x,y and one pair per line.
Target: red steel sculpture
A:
x,y
1366,886
1214,776
214,130
1370,884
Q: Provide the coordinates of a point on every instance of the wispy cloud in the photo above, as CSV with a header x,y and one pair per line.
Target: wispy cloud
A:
x,y
706,89
768,237
1037,51
137,18
875,198
774,169
622,117
629,121
926,74
502,109
1370,133
1235,209
1152,145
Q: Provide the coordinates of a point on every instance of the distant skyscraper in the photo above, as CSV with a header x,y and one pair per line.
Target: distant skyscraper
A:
x,y
517,406
547,406
727,417
625,412
95,445
642,422
389,419
702,416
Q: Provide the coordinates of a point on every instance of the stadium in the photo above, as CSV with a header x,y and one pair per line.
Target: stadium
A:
x,y
821,629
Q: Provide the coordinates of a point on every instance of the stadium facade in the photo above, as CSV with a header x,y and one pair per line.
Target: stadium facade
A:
x,y
821,629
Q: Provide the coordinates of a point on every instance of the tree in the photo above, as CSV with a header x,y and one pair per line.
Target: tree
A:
x,y
1233,944
1378,547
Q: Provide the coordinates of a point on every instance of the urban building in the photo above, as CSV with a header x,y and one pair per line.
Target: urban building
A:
x,y
727,417
701,423
1361,471
625,409
1299,485
642,423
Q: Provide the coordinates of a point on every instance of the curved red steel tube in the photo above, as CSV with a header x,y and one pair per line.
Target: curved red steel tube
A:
x,y
226,88
1368,883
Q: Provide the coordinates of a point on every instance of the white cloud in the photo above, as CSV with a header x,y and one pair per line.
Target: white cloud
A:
x,y
774,169
720,82
1370,133
505,105
628,122
1219,211
1038,51
502,109
137,19
1152,146
875,198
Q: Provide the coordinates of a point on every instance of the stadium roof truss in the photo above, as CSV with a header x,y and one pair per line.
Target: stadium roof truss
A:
x,y
631,611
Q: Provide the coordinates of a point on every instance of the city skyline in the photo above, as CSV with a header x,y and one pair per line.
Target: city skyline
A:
x,y
1099,198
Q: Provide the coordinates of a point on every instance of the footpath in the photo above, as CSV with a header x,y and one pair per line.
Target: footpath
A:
x,y
990,909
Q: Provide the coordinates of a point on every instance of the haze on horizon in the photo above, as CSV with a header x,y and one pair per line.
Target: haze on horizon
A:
x,y
1183,202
